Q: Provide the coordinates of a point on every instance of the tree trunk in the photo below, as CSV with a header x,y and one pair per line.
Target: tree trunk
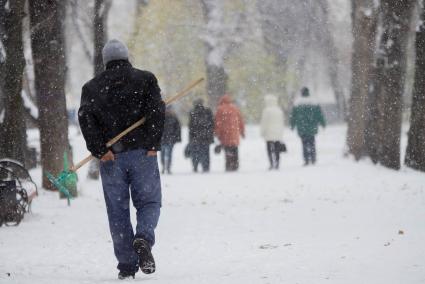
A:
x,y
331,53
216,74
48,49
140,5
415,152
374,113
100,35
335,78
2,54
13,129
216,83
396,16
364,31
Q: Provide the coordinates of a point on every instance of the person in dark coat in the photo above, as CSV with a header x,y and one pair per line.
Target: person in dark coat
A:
x,y
110,103
201,135
170,136
306,116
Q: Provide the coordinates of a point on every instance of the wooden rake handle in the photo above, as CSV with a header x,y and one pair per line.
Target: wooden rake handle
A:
x,y
114,140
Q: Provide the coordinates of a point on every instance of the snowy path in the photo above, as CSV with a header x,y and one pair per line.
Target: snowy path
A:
x,y
337,222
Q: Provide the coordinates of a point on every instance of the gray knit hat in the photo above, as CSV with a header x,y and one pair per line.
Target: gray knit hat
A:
x,y
114,50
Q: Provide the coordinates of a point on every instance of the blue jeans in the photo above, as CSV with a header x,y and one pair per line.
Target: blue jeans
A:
x,y
133,174
309,148
166,156
200,154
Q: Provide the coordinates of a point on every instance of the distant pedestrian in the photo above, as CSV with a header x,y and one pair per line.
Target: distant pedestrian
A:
x,y
306,116
272,123
229,126
201,135
170,136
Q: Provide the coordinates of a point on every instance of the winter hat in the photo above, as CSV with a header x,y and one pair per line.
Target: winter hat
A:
x,y
198,102
305,92
226,99
114,50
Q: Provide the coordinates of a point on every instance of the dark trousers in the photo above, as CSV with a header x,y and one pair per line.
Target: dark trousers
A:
x,y
273,153
132,174
200,154
309,148
166,157
232,158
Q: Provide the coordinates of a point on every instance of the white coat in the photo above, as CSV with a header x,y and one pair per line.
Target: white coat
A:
x,y
272,120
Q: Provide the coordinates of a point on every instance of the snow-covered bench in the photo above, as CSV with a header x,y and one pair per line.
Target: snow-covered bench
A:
x,y
17,190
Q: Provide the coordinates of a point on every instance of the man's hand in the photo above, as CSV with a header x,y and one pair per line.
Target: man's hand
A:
x,y
151,153
109,156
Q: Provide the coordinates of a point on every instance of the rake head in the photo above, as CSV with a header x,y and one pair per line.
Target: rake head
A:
x,y
65,181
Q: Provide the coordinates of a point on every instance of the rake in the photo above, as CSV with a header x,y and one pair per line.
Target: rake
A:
x,y
68,177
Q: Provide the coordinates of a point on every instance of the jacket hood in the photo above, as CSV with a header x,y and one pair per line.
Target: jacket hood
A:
x,y
225,100
270,100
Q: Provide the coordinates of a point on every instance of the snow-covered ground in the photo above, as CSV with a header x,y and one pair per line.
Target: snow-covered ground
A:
x,y
337,222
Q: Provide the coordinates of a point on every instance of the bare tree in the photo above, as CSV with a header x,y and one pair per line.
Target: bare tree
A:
x,y
415,152
82,24
300,31
396,17
2,53
100,32
219,38
13,129
140,5
100,35
364,25
48,50
327,44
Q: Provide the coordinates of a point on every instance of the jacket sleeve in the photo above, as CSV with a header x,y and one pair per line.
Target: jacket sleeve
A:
x,y
321,117
90,126
282,117
210,126
293,118
241,124
178,130
218,124
191,130
155,113
263,124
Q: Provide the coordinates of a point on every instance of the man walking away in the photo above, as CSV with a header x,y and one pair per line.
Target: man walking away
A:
x,y
306,116
229,126
201,135
111,102
170,136
271,126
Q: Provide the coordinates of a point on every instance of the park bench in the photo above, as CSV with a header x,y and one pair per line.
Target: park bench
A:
x,y
17,190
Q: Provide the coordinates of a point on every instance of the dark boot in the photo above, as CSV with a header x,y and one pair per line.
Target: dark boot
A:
x,y
146,260
125,275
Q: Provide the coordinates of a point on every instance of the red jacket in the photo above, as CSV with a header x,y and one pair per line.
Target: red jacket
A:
x,y
229,123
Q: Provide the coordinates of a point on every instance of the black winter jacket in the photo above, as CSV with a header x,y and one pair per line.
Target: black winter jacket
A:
x,y
113,101
201,126
172,129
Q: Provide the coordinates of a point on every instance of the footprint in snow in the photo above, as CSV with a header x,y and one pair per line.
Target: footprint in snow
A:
x,y
268,246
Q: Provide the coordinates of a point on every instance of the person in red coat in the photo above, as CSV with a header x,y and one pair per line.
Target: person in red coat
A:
x,y
229,126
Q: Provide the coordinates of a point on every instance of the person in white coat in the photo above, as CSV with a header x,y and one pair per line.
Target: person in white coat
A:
x,y
272,123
